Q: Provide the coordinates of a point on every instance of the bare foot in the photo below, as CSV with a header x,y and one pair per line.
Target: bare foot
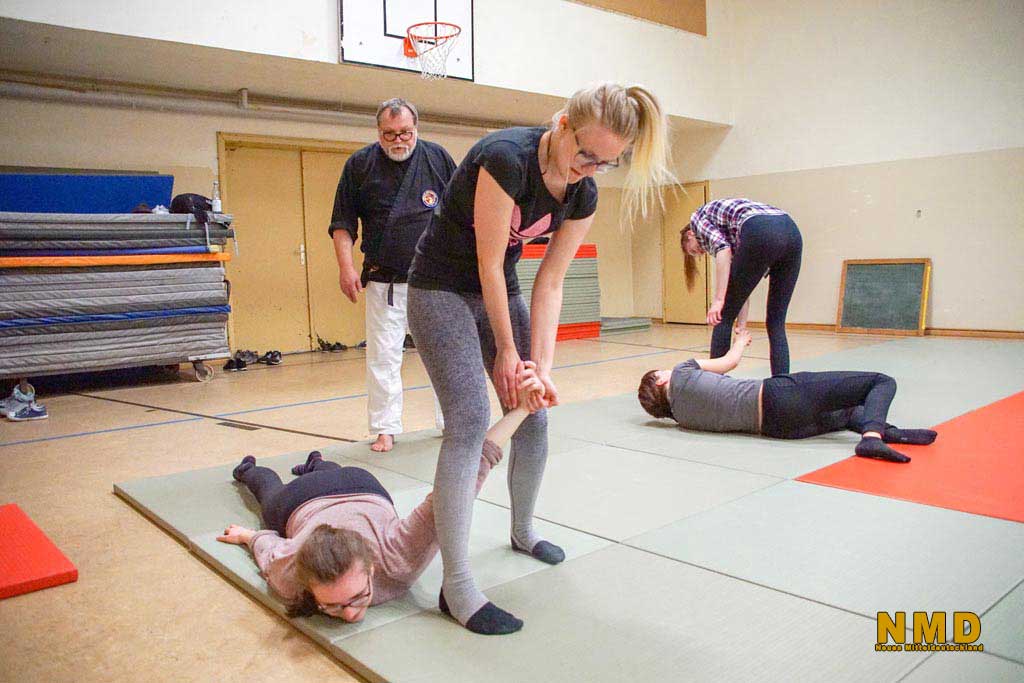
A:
x,y
383,444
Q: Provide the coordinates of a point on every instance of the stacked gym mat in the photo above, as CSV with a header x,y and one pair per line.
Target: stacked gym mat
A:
x,y
581,294
102,291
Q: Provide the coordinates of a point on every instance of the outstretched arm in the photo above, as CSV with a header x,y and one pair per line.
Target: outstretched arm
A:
x,y
730,360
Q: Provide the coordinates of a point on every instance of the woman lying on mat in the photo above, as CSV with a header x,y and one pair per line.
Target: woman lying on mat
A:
x,y
334,542
698,396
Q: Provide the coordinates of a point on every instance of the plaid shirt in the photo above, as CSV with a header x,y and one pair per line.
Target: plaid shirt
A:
x,y
716,225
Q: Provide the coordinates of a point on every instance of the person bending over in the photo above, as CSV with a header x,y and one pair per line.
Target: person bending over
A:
x,y
333,542
698,395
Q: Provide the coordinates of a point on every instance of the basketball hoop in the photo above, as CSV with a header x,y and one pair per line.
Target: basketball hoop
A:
x,y
431,42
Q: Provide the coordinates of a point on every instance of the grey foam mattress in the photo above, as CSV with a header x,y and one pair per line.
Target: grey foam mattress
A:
x,y
109,349
14,245
77,222
9,336
74,291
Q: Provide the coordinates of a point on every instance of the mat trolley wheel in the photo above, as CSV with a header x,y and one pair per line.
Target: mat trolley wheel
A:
x,y
203,372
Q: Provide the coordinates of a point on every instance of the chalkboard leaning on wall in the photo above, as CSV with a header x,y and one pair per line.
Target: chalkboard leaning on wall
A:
x,y
884,296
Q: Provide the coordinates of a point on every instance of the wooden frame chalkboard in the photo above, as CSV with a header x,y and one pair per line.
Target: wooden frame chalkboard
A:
x,y
884,296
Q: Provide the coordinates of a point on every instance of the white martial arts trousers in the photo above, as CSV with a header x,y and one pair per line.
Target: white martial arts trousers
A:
x,y
386,327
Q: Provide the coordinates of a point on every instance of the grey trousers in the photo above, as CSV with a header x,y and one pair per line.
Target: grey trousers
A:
x,y
454,338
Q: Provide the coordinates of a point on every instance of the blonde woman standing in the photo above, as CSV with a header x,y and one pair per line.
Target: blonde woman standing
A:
x,y
469,319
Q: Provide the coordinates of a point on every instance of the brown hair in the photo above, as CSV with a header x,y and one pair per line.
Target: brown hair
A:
x,y
328,553
690,270
652,397
634,114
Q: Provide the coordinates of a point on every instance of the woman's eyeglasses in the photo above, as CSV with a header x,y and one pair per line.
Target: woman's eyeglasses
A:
x,y
335,609
587,160
404,135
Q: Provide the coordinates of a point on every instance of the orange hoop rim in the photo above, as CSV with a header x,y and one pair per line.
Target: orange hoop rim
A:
x,y
453,31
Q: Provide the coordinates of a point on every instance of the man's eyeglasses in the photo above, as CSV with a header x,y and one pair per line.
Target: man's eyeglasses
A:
x,y
335,609
403,135
587,160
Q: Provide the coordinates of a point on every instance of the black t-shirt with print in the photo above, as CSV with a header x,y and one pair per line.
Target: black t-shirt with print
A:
x,y
446,253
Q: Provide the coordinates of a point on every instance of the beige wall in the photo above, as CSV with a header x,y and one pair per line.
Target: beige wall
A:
x,y
614,254
185,145
971,226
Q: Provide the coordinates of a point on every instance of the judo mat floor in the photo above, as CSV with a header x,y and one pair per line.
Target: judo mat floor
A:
x,y
690,556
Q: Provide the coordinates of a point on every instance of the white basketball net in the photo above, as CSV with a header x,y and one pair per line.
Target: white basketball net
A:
x,y
433,43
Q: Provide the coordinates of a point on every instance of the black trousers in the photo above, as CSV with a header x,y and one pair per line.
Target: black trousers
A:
x,y
806,404
278,500
769,245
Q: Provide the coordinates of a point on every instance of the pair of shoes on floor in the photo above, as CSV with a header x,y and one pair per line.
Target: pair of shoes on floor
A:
x,y
235,364
249,357
270,358
22,407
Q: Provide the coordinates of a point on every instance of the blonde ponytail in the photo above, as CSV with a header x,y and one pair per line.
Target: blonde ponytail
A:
x,y
649,166
632,113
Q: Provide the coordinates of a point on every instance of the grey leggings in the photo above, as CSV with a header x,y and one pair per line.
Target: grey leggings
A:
x,y
453,336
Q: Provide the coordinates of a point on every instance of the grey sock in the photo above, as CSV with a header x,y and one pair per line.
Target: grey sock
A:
x,y
528,456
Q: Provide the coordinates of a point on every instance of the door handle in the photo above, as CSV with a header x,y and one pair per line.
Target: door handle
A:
x,y
302,253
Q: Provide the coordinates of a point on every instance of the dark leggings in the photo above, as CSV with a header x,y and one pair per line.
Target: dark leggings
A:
x,y
772,245
810,403
278,500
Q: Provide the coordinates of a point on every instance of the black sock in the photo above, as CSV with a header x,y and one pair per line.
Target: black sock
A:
x,y
248,462
873,447
545,551
309,465
489,620
917,437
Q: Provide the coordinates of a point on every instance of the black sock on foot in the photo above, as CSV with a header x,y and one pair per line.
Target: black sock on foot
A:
x,y
873,447
248,462
489,620
917,437
544,551
308,466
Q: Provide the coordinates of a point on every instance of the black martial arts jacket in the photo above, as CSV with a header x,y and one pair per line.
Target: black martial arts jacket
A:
x,y
394,201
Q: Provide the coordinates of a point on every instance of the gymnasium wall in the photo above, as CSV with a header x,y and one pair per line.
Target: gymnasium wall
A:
x,y
853,119
687,68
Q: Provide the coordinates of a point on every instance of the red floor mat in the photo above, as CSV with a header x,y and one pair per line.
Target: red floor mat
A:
x,y
976,465
29,561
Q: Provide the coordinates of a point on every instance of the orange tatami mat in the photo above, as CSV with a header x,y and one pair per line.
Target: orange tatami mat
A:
x,y
975,465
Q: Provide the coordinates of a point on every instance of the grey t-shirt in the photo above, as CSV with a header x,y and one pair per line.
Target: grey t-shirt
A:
x,y
711,402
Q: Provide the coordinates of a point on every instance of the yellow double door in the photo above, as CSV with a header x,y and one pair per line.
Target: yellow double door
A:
x,y
679,304
284,279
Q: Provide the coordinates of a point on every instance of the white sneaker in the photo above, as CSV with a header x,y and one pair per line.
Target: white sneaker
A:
x,y
28,411
16,401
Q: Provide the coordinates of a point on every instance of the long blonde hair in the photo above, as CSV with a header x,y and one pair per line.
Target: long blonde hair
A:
x,y
634,114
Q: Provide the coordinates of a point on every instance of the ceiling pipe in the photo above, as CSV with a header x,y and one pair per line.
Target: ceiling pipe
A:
x,y
194,105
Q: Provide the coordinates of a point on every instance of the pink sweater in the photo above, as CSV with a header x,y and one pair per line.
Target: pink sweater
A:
x,y
402,548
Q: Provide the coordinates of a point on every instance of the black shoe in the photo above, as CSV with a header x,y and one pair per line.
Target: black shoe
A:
x,y
324,345
361,345
231,365
338,347
270,358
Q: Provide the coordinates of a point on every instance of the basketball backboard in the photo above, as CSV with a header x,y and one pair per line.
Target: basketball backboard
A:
x,y
373,31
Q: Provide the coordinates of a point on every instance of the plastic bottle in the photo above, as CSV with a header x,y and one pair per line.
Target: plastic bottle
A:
x,y
215,204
